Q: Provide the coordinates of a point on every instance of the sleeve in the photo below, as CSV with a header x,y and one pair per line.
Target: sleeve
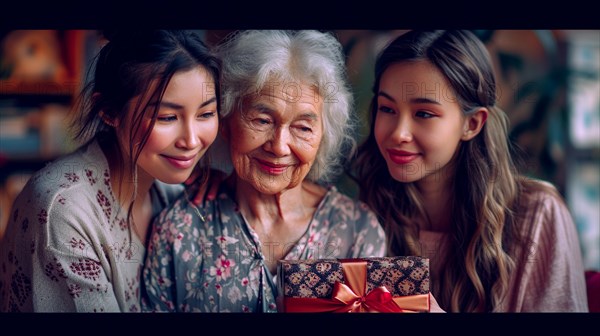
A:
x,y
553,273
56,264
370,237
159,287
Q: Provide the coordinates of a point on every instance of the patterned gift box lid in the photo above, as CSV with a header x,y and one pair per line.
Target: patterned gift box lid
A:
x,y
402,276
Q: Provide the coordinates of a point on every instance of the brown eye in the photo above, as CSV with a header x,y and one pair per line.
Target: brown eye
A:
x,y
167,118
385,109
424,115
262,121
208,115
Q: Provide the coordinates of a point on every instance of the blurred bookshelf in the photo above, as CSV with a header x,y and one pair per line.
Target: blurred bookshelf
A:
x,y
583,144
41,74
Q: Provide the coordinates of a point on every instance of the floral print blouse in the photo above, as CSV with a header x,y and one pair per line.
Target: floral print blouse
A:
x,y
217,264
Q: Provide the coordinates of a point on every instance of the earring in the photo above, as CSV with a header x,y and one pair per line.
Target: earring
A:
x,y
108,121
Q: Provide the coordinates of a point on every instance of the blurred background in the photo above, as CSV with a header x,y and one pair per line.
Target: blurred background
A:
x,y
549,83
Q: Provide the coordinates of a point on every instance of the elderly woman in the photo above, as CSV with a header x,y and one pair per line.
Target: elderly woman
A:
x,y
286,122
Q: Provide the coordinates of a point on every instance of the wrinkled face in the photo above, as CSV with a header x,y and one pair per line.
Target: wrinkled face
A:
x,y
186,126
419,123
274,139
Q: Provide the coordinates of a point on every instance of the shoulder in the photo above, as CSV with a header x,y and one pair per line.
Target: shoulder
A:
x,y
70,189
86,166
338,201
342,210
351,225
543,211
540,196
72,179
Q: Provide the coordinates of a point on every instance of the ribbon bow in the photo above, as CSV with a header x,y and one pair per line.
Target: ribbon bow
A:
x,y
351,297
378,300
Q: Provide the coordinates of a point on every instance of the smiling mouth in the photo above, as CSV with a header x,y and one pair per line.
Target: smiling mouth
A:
x,y
181,162
272,168
402,157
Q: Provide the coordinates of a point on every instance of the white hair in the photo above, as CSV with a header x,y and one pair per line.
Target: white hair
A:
x,y
254,57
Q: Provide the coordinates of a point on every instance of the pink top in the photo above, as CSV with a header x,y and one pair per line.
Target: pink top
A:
x,y
552,277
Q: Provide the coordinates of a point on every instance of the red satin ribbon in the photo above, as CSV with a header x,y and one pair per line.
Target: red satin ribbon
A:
x,y
351,297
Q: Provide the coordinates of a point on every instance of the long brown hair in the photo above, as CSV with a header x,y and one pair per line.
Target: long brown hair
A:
x,y
485,188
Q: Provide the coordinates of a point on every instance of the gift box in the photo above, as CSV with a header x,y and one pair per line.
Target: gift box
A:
x,y
387,284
